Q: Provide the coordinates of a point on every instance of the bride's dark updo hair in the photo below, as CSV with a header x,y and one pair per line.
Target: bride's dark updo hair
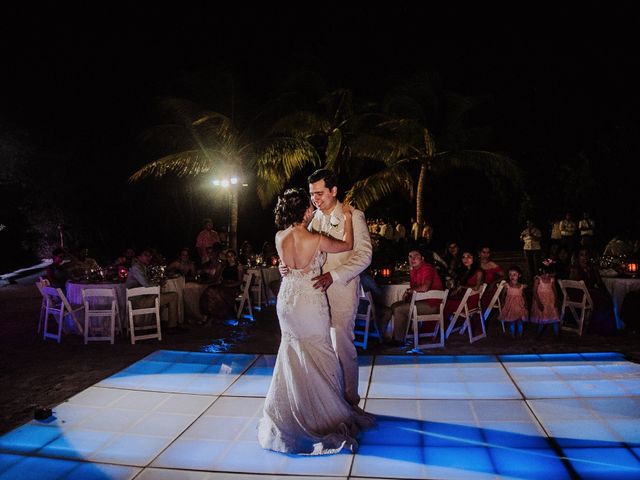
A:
x,y
291,207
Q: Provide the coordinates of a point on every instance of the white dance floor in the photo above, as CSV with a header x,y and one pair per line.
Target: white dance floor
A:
x,y
193,415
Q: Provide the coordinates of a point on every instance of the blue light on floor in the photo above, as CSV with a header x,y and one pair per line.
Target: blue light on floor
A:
x,y
195,414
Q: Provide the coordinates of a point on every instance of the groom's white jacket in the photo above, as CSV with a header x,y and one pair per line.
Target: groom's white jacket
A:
x,y
345,266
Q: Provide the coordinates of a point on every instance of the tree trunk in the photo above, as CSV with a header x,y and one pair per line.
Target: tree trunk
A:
x,y
233,218
421,180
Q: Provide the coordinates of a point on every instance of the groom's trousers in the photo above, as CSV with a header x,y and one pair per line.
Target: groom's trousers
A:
x,y
343,301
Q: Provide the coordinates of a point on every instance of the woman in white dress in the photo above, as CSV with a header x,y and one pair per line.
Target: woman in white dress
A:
x,y
305,411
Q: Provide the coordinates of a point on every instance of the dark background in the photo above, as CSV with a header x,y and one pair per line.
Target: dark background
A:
x,y
557,85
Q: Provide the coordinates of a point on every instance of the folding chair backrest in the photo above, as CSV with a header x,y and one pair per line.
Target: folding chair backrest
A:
x,y
495,300
577,300
143,311
415,319
575,292
139,291
98,292
244,299
42,282
365,315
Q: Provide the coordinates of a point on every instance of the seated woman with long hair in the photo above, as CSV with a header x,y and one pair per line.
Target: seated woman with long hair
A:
x,y
470,275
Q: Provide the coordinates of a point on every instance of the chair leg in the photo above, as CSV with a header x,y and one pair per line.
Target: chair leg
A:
x,y
60,322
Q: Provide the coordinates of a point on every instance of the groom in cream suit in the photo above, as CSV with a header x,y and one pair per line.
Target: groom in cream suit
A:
x,y
340,273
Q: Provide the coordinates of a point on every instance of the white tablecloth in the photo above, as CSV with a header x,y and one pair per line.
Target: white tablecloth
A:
x,y
191,294
176,285
392,293
74,295
618,288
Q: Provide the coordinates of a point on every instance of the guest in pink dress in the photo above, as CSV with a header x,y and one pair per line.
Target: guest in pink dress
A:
x,y
544,310
514,311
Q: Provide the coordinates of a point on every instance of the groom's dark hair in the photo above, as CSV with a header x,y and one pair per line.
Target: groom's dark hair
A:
x,y
325,174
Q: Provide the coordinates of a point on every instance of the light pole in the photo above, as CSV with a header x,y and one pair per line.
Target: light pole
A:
x,y
230,185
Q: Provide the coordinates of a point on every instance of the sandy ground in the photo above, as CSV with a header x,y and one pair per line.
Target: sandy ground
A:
x,y
36,372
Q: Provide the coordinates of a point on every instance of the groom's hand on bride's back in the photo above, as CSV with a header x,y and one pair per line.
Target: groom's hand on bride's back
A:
x,y
323,281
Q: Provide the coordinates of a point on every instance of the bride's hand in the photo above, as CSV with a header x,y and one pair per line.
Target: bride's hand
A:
x,y
347,209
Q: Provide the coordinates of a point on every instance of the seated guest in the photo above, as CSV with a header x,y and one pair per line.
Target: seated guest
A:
x,y
138,277
56,273
183,265
246,253
217,302
470,275
81,265
382,312
563,264
453,259
602,321
211,269
422,278
268,252
126,259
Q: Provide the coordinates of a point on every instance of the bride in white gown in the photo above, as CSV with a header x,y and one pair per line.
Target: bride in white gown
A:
x,y
305,411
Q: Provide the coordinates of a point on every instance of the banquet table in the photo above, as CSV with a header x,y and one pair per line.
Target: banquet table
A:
x,y
618,287
268,274
74,295
191,296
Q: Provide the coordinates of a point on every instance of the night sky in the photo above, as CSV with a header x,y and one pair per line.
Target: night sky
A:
x,y
558,84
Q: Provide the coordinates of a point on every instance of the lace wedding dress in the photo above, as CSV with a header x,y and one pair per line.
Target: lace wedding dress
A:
x,y
305,411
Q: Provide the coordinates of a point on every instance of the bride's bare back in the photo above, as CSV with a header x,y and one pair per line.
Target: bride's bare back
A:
x,y
297,246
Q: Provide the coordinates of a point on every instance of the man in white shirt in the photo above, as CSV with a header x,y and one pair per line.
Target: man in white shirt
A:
x,y
341,271
531,237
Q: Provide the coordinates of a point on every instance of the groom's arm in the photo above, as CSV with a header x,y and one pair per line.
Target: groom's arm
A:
x,y
361,257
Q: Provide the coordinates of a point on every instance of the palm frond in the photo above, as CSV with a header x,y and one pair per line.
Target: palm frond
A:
x,y
334,144
192,115
277,161
372,189
190,162
375,147
301,125
339,105
166,138
493,165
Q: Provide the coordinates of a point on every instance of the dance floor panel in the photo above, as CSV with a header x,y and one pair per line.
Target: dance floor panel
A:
x,y
194,415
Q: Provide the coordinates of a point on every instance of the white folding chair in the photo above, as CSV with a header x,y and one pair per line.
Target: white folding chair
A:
x,y
364,317
58,306
144,295
100,304
495,302
258,294
416,319
40,283
580,304
243,299
465,311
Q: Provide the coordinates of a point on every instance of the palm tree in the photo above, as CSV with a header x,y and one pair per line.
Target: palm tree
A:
x,y
321,131
196,141
402,144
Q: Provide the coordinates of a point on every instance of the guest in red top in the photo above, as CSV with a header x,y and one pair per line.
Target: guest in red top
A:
x,y
423,277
